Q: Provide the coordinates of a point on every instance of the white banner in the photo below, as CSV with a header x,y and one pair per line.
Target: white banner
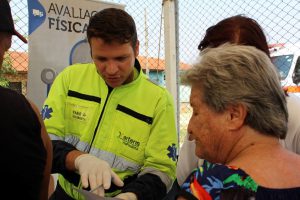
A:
x,y
57,38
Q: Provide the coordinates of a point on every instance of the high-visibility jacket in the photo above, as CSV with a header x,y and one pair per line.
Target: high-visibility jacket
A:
x,y
132,127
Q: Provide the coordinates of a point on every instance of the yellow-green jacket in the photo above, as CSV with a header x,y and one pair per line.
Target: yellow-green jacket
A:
x,y
132,127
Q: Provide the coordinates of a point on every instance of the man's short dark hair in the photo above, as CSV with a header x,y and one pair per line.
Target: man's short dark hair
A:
x,y
113,25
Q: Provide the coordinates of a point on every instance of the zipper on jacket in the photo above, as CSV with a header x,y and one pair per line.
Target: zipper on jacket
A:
x,y
95,131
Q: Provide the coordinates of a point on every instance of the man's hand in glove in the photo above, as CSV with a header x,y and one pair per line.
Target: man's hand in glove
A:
x,y
95,172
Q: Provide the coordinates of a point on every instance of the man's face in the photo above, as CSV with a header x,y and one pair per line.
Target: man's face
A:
x,y
5,44
114,61
207,128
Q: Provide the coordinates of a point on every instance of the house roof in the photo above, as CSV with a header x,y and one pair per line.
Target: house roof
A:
x,y
20,62
158,64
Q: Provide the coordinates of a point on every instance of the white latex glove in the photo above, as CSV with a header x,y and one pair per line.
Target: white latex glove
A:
x,y
127,196
95,172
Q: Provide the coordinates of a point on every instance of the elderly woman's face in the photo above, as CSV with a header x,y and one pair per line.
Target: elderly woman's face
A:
x,y
207,128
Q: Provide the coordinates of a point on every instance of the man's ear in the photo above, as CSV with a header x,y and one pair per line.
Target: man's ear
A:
x,y
90,45
236,115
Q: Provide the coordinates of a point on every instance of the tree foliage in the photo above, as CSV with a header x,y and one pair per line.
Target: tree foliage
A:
x,y
7,68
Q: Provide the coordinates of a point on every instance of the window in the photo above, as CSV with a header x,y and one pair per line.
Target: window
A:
x,y
296,73
283,64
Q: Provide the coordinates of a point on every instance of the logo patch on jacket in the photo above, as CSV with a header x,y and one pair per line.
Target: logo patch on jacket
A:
x,y
46,112
78,112
172,152
79,115
128,141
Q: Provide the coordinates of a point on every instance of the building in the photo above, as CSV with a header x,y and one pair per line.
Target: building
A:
x,y
18,80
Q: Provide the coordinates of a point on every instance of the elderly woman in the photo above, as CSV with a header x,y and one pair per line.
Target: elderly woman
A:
x,y
239,113
246,31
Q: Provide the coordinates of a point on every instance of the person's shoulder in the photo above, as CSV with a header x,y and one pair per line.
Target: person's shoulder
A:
x,y
15,103
293,105
150,81
79,66
293,101
221,171
218,178
225,174
9,94
154,85
5,90
282,193
78,69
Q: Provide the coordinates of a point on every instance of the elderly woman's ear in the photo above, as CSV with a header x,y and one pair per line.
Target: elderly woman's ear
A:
x,y
235,116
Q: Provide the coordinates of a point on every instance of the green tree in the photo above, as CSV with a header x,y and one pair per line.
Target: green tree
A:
x,y
7,68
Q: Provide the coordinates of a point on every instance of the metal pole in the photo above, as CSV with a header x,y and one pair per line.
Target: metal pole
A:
x,y
171,52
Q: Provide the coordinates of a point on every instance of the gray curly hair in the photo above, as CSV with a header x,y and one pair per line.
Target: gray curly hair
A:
x,y
239,74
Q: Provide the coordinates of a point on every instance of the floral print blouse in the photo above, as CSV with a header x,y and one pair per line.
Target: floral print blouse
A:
x,y
221,182
211,181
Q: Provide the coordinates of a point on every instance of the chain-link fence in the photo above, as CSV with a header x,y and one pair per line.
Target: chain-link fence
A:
x,y
280,20
15,65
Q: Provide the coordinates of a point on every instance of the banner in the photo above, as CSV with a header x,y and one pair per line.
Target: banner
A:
x,y
57,38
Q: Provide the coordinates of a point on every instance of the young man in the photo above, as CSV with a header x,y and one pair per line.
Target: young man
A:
x,y
108,122
25,146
